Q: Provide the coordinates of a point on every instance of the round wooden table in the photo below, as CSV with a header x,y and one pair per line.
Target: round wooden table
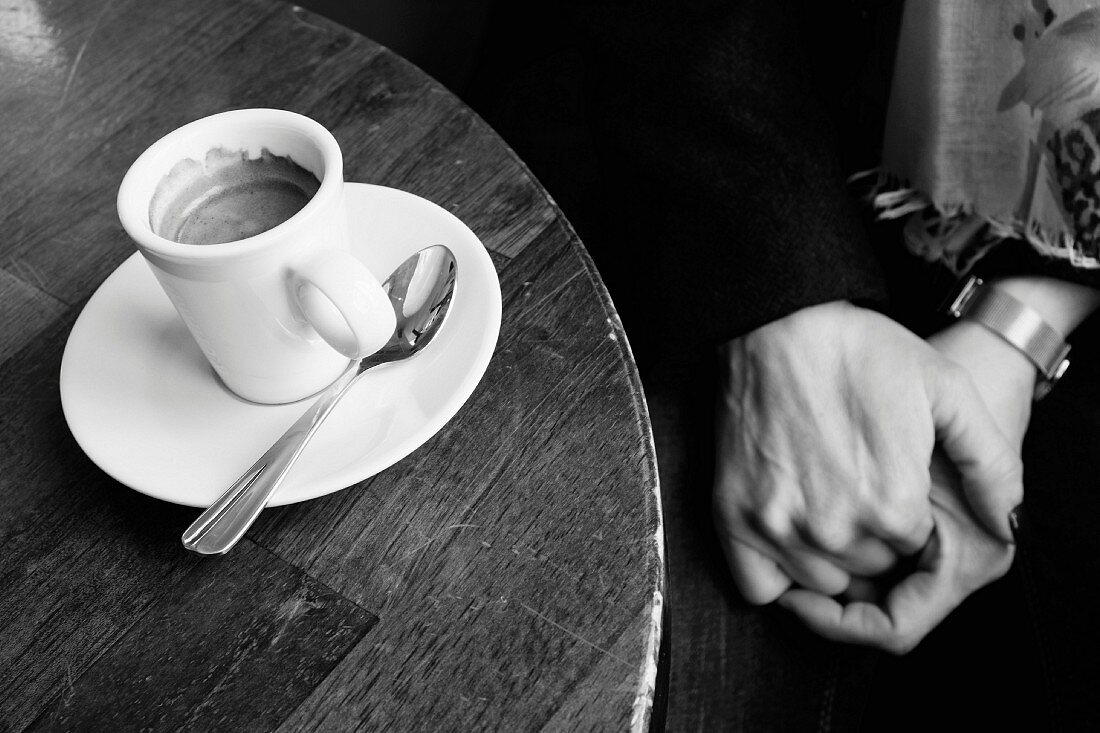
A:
x,y
508,575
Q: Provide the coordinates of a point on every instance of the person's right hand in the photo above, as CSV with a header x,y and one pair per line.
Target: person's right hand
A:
x,y
827,420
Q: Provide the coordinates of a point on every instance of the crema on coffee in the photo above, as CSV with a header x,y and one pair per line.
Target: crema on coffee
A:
x,y
229,196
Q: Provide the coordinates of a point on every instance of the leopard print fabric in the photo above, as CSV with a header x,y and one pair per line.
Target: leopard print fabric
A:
x,y
1076,157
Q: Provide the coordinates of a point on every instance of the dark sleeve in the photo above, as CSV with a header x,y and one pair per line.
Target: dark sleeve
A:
x,y
721,165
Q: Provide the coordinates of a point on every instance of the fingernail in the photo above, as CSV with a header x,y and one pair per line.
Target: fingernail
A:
x,y
1014,518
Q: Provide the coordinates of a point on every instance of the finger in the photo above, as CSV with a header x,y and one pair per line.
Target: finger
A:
x,y
990,469
905,529
814,572
912,609
862,589
896,627
773,534
860,554
757,576
857,622
867,556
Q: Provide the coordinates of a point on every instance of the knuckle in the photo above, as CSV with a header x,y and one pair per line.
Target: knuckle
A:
x,y
733,526
729,506
730,509
828,533
773,522
902,522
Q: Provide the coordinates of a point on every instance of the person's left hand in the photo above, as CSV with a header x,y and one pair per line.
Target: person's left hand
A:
x,y
962,555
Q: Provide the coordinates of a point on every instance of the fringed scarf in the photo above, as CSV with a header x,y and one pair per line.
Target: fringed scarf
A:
x,y
993,127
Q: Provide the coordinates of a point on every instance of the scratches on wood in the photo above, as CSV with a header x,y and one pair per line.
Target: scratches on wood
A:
x,y
484,529
501,577
80,53
573,634
213,649
27,308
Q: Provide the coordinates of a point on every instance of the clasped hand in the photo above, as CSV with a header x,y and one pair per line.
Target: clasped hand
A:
x,y
845,442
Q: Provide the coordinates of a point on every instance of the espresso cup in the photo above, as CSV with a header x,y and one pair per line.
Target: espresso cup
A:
x,y
241,216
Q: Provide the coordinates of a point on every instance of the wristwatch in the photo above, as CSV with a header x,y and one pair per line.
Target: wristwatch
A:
x,y
1018,324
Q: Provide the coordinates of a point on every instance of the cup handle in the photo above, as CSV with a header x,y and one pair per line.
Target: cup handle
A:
x,y
344,303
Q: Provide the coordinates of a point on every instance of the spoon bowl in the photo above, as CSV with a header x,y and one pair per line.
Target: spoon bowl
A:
x,y
420,291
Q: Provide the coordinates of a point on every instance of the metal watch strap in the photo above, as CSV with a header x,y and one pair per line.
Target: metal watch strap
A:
x,y
1019,325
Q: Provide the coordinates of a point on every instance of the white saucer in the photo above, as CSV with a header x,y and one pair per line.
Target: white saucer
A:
x,y
145,406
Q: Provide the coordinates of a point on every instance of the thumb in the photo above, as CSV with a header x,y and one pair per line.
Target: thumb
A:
x,y
990,468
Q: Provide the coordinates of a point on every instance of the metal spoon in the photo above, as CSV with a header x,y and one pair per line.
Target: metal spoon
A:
x,y
420,291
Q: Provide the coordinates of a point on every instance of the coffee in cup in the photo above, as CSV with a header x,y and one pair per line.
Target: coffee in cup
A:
x,y
241,217
228,196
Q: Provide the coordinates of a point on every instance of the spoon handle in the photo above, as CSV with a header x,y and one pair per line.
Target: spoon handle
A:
x,y
226,520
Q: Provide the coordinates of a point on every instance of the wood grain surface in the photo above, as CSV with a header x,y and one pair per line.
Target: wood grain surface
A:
x,y
508,575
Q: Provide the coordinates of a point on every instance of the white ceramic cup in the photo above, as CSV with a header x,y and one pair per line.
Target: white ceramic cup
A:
x,y
279,314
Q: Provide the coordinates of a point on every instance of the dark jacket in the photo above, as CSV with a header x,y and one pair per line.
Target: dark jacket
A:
x,y
721,136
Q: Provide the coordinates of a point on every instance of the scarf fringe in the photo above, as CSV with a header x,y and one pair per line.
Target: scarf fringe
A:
x,y
952,233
